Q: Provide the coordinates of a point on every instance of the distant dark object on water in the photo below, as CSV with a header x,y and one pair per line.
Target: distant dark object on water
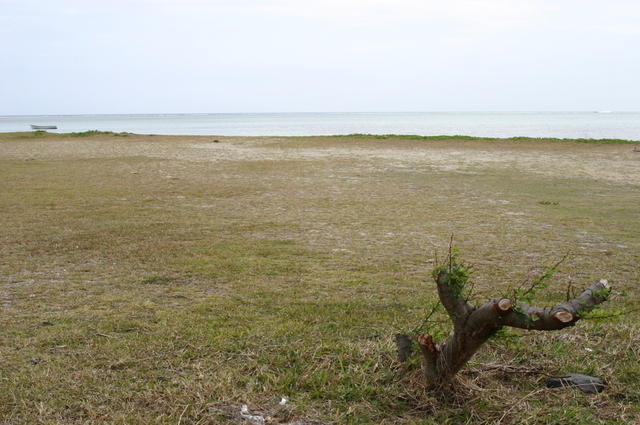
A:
x,y
586,384
43,127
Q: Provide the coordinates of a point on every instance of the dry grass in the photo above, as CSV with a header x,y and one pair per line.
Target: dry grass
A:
x,y
156,279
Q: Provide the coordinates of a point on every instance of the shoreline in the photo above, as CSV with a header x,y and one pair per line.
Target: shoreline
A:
x,y
40,134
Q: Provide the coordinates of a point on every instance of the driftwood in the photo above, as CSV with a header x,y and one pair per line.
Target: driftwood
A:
x,y
474,325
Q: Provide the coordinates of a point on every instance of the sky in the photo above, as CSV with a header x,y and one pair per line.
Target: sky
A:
x,y
208,56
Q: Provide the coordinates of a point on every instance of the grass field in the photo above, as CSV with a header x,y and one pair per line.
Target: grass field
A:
x,y
170,280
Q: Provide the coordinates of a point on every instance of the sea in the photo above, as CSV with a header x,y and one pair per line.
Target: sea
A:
x,y
590,125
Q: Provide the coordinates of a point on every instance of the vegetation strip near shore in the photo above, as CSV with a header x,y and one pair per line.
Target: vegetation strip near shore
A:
x,y
171,279
38,134
463,138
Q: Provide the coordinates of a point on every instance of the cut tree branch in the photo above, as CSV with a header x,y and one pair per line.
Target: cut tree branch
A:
x,y
451,296
559,316
473,326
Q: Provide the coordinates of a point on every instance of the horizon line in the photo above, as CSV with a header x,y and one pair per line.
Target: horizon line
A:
x,y
594,111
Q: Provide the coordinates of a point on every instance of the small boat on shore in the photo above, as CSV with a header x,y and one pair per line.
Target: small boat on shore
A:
x,y
43,127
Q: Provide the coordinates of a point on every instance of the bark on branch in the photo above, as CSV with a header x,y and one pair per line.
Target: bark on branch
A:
x,y
450,293
561,315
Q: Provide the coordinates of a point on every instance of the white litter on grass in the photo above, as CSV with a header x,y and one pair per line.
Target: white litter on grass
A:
x,y
283,401
256,419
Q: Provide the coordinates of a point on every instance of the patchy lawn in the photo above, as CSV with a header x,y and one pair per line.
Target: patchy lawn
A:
x,y
171,279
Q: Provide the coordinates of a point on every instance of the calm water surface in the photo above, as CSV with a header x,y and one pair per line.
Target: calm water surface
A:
x,y
595,125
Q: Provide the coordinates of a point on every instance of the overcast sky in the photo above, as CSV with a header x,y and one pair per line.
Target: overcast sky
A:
x,y
148,56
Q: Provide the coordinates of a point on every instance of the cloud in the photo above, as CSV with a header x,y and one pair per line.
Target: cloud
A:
x,y
323,54
384,13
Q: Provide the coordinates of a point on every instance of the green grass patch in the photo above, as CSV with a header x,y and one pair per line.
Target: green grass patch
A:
x,y
96,133
156,280
39,134
476,138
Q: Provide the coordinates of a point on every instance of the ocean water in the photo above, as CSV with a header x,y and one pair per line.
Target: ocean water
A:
x,y
595,125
